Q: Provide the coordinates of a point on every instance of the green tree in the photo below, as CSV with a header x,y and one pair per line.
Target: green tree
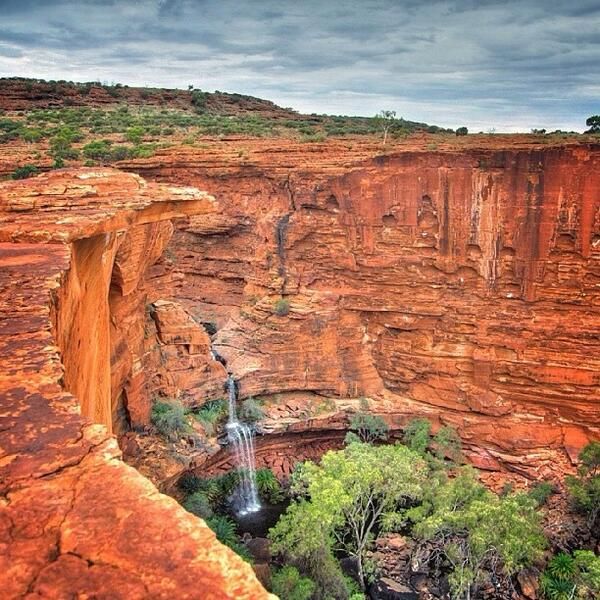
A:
x,y
367,428
417,435
462,131
343,499
593,123
289,584
585,489
385,120
478,530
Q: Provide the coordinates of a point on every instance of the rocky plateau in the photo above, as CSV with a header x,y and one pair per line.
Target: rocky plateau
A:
x,y
460,283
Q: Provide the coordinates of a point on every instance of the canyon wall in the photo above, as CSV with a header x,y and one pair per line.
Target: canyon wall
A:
x,y
462,285
75,520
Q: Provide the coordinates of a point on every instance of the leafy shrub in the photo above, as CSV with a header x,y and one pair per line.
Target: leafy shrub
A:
x,y
354,591
417,435
61,146
325,571
31,135
448,444
251,410
199,99
24,172
585,489
289,584
541,491
282,307
105,151
211,414
135,134
98,150
169,418
268,485
199,504
462,131
141,151
367,428
10,129
588,573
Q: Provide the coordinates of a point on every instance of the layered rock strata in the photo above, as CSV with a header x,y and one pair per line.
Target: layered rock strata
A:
x,y
461,284
76,521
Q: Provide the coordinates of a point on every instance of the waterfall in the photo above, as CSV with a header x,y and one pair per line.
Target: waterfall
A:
x,y
241,438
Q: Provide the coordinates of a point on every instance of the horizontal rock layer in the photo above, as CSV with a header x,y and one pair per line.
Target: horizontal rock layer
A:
x,y
459,284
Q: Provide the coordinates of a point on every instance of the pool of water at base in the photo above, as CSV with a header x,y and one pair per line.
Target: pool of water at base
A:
x,y
258,523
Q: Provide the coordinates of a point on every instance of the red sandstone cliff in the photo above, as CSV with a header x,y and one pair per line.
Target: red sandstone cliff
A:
x,y
462,284
76,521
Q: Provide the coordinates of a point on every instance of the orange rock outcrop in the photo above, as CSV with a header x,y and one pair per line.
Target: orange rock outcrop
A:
x,y
75,520
461,284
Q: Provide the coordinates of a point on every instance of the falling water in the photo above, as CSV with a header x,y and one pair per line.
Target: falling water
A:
x,y
242,439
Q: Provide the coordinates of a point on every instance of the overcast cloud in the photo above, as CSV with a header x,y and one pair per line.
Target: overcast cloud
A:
x,y
512,65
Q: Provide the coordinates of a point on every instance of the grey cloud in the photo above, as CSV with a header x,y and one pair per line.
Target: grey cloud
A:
x,y
439,59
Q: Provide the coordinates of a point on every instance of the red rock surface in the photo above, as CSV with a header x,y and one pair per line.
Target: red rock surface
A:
x,y
76,521
461,284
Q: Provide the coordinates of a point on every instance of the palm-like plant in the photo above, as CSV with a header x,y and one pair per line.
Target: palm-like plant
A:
x,y
268,486
562,567
557,589
558,579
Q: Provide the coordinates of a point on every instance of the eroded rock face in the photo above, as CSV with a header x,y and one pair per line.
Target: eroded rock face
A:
x,y
75,520
462,285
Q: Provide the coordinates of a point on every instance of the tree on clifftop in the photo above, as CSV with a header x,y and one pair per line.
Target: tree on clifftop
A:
x,y
593,123
385,120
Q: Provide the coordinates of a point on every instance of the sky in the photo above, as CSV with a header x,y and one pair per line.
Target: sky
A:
x,y
486,64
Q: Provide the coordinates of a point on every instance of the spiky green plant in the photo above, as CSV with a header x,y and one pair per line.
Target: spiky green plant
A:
x,y
211,414
268,485
225,530
562,567
556,589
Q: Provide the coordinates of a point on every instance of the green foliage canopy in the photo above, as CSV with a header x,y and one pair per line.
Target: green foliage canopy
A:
x,y
368,428
344,498
478,529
